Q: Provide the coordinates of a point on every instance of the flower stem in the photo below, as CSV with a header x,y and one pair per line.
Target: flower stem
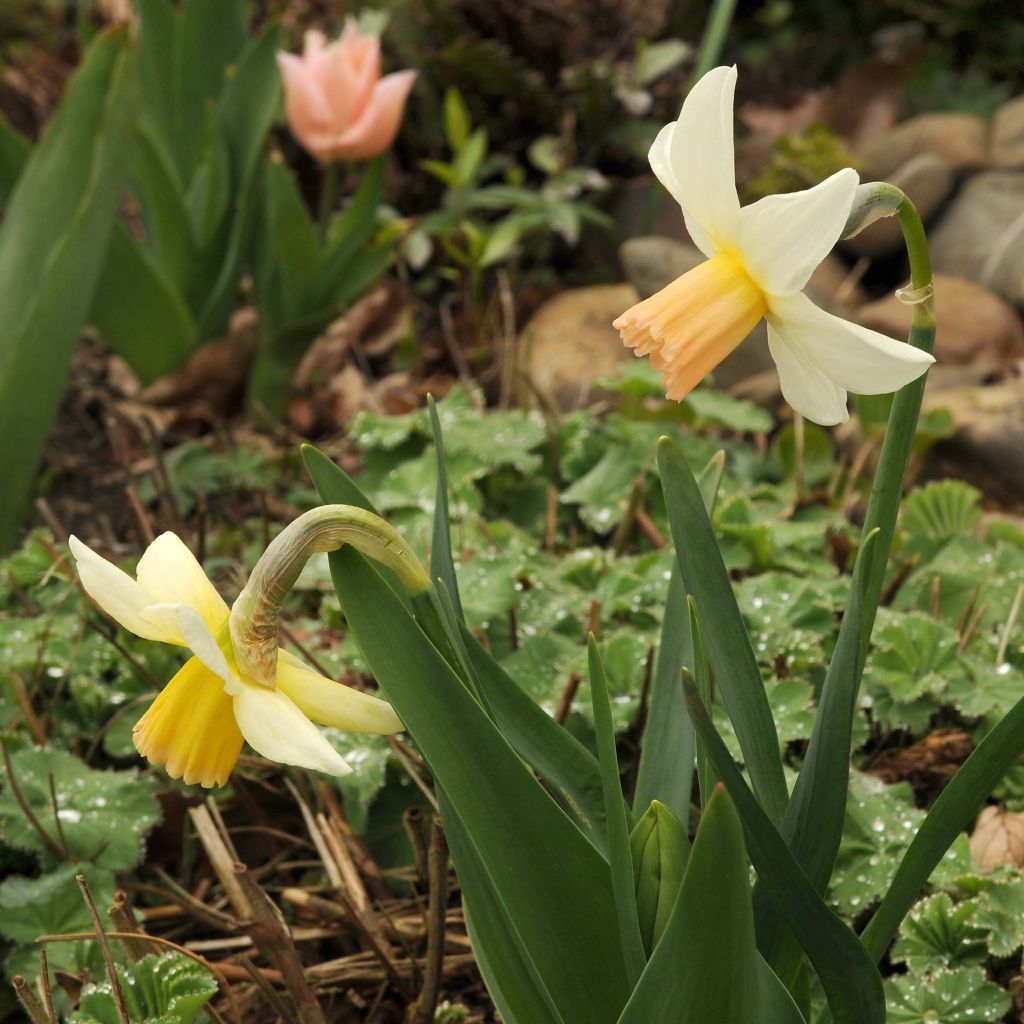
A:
x,y
328,192
253,622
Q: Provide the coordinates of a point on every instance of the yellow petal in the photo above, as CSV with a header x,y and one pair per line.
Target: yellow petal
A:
x,y
274,727
120,596
190,728
331,703
170,574
691,325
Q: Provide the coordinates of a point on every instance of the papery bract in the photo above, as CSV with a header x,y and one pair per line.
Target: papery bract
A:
x,y
339,107
760,258
196,725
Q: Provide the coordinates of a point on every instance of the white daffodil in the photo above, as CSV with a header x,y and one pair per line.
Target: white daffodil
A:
x,y
196,725
760,258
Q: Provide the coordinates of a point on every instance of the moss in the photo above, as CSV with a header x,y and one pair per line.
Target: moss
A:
x,y
800,161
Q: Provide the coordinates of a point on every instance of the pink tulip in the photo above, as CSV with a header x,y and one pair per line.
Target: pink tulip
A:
x,y
338,105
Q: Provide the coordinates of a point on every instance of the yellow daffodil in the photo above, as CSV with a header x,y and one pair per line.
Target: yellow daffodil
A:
x,y
196,726
760,258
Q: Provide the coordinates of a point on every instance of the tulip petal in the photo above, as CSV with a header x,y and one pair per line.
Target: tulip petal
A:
x,y
170,574
377,126
121,597
695,161
783,238
331,703
274,727
309,117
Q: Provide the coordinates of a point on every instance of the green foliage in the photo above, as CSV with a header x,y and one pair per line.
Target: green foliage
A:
x,y
55,233
953,997
800,161
942,510
99,817
169,988
938,933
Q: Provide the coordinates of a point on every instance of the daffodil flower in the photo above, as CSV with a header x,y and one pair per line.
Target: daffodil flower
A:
x,y
760,258
196,726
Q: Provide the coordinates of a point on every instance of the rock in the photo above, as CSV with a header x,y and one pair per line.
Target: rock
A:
x,y
981,236
975,326
837,281
960,139
928,180
998,838
643,207
652,261
1008,134
987,447
570,341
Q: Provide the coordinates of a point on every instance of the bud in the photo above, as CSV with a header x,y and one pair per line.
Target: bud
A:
x,y
253,621
660,850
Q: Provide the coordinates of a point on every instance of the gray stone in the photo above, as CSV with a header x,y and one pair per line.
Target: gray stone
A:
x,y
927,180
1008,134
960,139
975,326
981,236
570,342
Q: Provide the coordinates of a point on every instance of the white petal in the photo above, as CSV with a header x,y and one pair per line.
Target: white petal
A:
x,y
699,154
120,596
195,634
857,359
274,727
170,574
808,390
783,238
661,164
331,703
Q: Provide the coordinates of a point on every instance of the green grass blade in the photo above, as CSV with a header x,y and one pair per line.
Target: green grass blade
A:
x,y
53,244
951,813
846,971
554,885
442,564
665,771
14,154
706,969
620,857
728,646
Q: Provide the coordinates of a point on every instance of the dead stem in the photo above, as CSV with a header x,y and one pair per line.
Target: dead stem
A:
x,y
108,956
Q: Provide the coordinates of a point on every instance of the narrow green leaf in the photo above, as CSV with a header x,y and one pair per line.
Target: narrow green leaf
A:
x,y
207,40
249,102
442,564
456,119
140,313
157,28
846,971
706,967
620,857
156,186
14,153
813,823
509,973
665,771
707,779
569,769
555,886
52,247
728,646
210,188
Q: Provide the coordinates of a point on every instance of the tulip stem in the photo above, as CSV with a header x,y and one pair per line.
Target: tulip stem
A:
x,y
328,193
